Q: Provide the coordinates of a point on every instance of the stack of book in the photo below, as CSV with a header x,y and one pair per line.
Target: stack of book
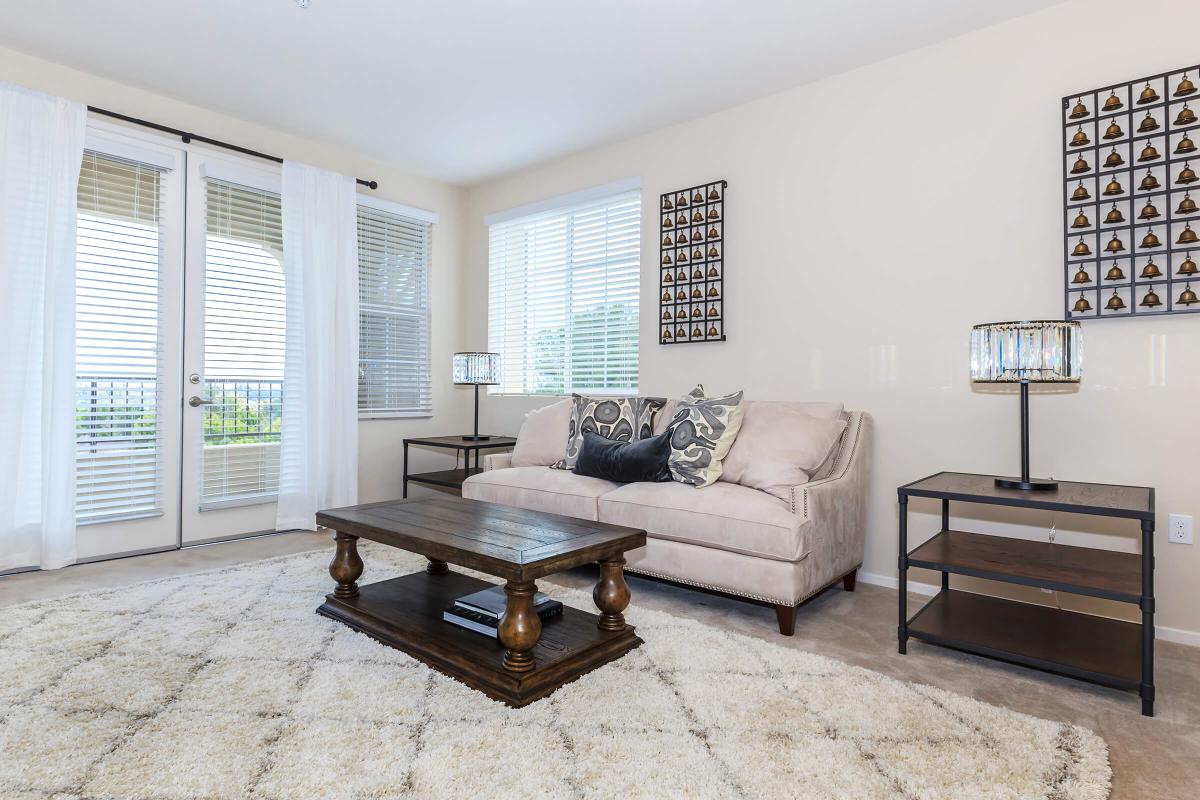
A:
x,y
481,611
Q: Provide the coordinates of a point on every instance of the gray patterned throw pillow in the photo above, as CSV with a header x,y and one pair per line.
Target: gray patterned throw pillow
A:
x,y
702,432
622,419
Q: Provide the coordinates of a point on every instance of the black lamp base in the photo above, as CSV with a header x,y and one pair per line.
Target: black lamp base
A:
x,y
475,438
1026,485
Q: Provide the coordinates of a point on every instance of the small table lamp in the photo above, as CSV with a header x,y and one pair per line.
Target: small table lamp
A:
x,y
1026,352
476,369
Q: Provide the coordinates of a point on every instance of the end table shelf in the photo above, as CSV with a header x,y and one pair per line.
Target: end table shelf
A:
x,y
1097,649
452,478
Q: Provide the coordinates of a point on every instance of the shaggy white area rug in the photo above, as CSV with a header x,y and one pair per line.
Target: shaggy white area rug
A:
x,y
225,684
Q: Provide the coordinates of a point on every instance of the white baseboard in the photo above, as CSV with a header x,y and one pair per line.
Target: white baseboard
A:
x,y
1176,635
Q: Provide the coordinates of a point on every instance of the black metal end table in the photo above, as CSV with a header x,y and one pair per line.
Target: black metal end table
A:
x,y
453,478
1097,649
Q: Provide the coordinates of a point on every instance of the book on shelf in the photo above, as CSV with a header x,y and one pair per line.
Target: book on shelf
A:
x,y
480,612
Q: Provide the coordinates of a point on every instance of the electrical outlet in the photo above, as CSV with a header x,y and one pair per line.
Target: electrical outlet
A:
x,y
1180,530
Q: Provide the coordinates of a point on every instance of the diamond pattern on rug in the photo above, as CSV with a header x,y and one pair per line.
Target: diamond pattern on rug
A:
x,y
225,685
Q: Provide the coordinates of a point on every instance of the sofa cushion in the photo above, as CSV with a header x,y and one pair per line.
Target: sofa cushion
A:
x,y
622,419
540,440
780,446
703,430
724,515
539,489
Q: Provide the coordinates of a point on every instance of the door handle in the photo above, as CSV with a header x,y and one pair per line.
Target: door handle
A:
x,y
196,402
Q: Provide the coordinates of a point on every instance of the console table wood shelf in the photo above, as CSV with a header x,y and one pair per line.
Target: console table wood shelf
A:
x,y
1097,649
452,478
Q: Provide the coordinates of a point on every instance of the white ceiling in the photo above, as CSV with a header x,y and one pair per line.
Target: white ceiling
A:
x,y
464,90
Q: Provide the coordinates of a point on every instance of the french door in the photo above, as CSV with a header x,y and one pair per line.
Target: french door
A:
x,y
179,346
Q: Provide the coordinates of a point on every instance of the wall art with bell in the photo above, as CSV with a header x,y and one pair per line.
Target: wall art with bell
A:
x,y
1130,164
692,264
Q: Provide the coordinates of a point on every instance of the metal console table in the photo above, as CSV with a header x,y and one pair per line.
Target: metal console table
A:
x,y
1097,649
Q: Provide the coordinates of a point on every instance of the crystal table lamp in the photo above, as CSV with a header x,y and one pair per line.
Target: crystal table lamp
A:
x,y
1024,353
476,369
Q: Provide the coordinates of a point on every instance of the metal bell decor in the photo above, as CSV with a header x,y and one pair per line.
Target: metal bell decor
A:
x,y
692,264
1123,259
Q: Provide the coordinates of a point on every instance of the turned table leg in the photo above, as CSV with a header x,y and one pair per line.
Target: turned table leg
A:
x,y
346,567
611,595
520,626
435,567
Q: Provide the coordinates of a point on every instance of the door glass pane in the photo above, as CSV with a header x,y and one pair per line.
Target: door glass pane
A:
x,y
117,355
243,344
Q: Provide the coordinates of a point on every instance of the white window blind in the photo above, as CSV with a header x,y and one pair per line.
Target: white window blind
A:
x,y
563,297
393,276
244,306
117,423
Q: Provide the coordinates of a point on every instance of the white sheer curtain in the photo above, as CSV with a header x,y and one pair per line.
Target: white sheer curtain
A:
x,y
41,149
318,454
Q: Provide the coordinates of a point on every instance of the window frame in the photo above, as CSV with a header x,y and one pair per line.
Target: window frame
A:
x,y
428,219
566,206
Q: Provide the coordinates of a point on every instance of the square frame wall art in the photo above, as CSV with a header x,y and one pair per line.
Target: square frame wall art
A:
x,y
691,284
1129,166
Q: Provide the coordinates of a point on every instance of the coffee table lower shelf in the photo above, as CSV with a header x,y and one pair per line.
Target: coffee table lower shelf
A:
x,y
1097,649
406,613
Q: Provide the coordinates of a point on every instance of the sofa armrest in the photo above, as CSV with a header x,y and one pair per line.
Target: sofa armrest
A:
x,y
836,506
497,461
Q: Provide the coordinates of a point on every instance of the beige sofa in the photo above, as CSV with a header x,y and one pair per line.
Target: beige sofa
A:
x,y
725,537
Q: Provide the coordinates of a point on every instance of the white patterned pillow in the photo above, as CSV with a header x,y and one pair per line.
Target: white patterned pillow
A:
x,y
622,419
702,431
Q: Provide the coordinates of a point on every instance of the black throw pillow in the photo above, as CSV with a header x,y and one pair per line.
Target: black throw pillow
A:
x,y
625,462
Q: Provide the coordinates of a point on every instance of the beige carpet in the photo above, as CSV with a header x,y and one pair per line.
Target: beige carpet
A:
x,y
225,684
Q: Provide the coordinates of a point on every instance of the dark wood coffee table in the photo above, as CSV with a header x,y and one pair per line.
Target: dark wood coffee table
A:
x,y
529,661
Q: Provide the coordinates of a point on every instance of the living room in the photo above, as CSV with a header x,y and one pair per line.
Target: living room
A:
x,y
884,183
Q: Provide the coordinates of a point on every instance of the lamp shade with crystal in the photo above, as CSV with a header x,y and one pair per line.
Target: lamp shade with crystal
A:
x,y
482,369
1019,352
1025,353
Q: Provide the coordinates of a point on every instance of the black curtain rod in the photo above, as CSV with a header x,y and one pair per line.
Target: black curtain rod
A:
x,y
192,137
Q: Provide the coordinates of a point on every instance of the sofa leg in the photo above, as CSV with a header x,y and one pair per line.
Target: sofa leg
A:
x,y
786,615
848,580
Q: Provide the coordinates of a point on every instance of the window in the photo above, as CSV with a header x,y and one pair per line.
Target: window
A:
x,y
244,306
393,283
117,366
563,296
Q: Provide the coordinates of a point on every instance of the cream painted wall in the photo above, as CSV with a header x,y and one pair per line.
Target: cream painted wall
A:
x,y
872,218
379,440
